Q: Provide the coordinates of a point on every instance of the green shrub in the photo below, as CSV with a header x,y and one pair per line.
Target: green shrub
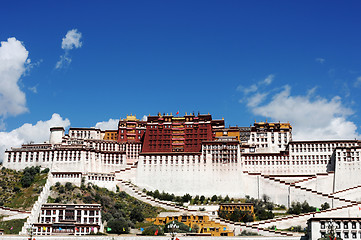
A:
x,y
118,226
151,230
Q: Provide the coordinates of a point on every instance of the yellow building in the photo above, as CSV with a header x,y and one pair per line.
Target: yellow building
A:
x,y
231,132
225,209
111,135
205,225
230,207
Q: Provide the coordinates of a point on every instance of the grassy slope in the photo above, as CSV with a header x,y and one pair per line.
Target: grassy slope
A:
x,y
16,224
113,204
13,195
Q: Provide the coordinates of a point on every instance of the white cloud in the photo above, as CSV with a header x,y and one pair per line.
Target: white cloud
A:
x,y
320,60
144,118
255,87
311,117
256,99
247,90
13,64
70,41
37,133
111,124
64,61
268,80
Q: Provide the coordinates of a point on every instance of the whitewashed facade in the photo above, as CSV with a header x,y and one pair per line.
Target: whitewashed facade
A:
x,y
222,167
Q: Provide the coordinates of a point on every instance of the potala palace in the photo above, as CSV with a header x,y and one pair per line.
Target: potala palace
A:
x,y
198,155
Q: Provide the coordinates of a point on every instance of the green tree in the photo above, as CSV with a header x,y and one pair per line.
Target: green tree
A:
x,y
118,225
186,197
156,194
196,199
240,216
26,180
136,215
69,186
325,206
183,228
151,230
46,170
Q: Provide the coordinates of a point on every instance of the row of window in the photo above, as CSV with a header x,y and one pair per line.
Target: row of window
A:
x,y
322,145
78,219
76,212
100,178
285,162
171,161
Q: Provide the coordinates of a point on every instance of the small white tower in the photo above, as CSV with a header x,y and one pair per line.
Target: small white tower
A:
x,y
56,134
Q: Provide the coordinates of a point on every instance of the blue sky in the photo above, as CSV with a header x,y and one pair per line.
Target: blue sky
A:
x,y
297,61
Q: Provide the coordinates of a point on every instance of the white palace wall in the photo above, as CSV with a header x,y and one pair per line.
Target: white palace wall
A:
x,y
256,186
347,167
219,168
322,183
189,174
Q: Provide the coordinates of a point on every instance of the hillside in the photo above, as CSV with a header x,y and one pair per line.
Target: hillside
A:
x,y
20,189
119,210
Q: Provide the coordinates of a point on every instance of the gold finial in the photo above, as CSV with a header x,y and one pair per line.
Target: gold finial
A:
x,y
186,113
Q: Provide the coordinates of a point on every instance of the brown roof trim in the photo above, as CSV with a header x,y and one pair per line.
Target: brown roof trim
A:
x,y
57,128
66,173
323,141
170,153
78,128
334,218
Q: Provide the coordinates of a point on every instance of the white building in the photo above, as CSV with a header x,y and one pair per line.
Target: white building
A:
x,y
345,227
269,163
69,219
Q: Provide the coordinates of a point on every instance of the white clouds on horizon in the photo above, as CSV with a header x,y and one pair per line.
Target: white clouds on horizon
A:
x,y
312,116
13,65
37,133
111,124
70,41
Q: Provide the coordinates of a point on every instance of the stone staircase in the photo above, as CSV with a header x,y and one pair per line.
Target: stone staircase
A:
x,y
346,190
128,167
35,211
317,193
